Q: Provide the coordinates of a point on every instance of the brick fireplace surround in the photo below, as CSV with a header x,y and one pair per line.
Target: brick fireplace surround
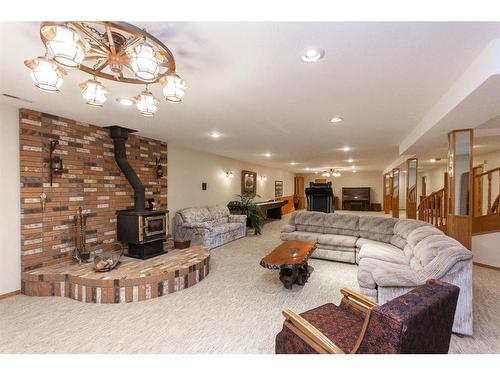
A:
x,y
91,179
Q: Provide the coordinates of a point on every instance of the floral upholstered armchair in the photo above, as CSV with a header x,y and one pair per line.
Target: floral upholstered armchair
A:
x,y
209,226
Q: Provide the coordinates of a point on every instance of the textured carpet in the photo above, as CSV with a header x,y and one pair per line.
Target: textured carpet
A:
x,y
236,309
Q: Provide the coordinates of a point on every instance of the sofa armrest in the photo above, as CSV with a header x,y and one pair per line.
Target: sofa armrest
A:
x,y
199,225
238,219
288,228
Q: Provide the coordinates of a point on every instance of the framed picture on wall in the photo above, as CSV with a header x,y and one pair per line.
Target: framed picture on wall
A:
x,y
278,189
248,182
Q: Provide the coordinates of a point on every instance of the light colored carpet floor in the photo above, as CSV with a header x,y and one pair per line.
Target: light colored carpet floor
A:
x,y
236,309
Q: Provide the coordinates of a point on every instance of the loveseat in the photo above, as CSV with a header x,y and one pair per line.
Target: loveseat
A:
x,y
394,255
209,226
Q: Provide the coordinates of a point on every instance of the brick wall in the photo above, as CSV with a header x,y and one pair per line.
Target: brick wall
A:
x,y
91,179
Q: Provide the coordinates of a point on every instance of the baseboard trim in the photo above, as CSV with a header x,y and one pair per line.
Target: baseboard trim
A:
x,y
486,266
10,294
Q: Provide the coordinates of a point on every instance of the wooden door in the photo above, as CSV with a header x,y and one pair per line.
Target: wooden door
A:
x,y
477,192
299,192
395,193
387,193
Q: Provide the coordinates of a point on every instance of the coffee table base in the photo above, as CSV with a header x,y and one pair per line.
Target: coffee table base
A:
x,y
295,275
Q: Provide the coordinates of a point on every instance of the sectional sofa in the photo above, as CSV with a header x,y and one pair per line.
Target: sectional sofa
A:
x,y
209,226
394,255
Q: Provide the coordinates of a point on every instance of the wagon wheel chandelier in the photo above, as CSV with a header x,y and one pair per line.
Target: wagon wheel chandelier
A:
x,y
116,51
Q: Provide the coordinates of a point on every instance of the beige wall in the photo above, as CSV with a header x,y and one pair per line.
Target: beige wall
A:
x,y
10,238
349,179
187,169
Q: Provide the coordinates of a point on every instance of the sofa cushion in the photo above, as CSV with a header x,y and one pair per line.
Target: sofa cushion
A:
x,y
224,228
429,247
376,228
382,251
218,212
403,228
337,240
300,236
195,214
336,248
307,221
341,224
420,233
219,221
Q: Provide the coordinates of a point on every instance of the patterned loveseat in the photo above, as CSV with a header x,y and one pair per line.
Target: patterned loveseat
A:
x,y
209,226
394,256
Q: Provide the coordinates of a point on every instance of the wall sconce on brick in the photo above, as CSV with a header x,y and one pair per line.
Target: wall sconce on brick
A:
x,y
229,175
159,168
56,163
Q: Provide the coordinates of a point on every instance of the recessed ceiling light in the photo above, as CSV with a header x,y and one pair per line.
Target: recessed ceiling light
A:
x,y
346,148
312,55
336,119
316,172
433,160
350,160
125,101
353,167
215,135
308,168
293,163
267,155
354,171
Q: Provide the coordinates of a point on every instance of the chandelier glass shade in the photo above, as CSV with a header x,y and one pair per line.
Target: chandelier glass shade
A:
x,y
94,92
145,62
46,74
173,88
146,103
65,46
332,173
116,51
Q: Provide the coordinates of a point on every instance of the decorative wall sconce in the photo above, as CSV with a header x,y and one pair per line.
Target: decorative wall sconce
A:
x,y
56,163
263,178
229,175
159,168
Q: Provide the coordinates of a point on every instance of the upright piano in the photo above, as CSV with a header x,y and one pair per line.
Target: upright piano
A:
x,y
320,197
356,198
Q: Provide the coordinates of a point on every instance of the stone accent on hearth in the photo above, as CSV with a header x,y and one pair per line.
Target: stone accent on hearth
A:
x,y
133,280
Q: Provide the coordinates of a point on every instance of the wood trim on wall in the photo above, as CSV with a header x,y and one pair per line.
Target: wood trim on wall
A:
x,y
10,294
486,266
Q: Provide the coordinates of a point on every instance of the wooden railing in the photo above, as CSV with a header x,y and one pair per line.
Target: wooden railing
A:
x,y
434,209
486,202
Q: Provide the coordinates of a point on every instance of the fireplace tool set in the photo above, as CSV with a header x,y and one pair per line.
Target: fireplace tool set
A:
x,y
81,253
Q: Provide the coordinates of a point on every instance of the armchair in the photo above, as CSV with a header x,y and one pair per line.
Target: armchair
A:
x,y
419,321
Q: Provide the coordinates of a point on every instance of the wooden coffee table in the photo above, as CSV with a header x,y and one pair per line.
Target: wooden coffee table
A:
x,y
291,259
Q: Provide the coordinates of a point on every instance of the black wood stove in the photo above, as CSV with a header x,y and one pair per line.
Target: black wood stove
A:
x,y
143,230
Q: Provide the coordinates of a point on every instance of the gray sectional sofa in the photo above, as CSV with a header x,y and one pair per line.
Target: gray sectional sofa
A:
x,y
394,255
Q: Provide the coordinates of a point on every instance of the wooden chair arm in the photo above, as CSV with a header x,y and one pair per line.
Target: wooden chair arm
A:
x,y
358,299
310,334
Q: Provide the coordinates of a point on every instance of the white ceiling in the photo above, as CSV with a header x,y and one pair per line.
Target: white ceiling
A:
x,y
246,81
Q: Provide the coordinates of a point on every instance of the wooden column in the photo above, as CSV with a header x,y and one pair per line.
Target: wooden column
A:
x,y
395,193
460,146
411,188
387,193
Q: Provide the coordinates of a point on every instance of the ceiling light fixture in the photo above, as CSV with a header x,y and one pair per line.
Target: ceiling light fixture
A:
x,y
312,55
293,163
432,160
116,51
215,135
46,74
332,173
93,92
336,119
146,103
354,171
350,160
125,101
173,88
267,155
346,149
65,45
